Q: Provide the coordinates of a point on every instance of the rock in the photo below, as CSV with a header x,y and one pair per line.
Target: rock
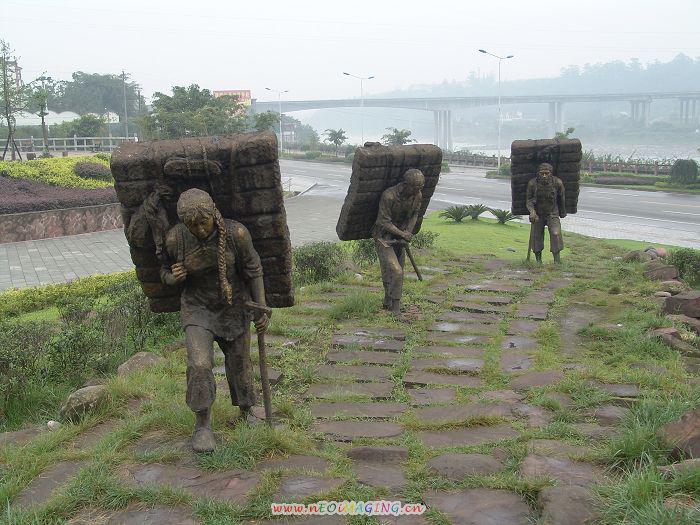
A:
x,y
536,416
674,287
20,437
692,322
608,415
563,470
454,414
42,488
672,337
297,488
349,430
556,449
511,249
661,252
519,342
687,466
381,410
481,507
456,467
83,401
637,256
560,398
662,294
505,396
594,431
662,273
139,361
428,396
467,436
683,434
380,390
429,378
535,379
571,505
687,303
378,454
53,425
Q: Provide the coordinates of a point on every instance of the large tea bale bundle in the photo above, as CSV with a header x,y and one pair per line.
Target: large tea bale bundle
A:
x,y
240,172
526,155
376,168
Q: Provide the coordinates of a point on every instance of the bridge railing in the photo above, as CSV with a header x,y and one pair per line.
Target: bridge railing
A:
x,y
74,143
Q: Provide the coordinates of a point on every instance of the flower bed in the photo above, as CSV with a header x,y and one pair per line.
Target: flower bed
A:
x,y
55,171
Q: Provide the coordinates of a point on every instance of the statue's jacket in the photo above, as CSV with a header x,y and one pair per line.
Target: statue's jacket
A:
x,y
201,301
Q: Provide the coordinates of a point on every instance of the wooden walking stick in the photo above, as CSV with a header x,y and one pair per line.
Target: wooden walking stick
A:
x,y
264,380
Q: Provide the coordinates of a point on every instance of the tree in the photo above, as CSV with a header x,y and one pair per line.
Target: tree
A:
x,y
265,121
564,134
336,137
14,97
192,111
39,102
85,126
397,137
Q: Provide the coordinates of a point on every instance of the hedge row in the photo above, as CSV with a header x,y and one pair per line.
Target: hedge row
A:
x,y
55,171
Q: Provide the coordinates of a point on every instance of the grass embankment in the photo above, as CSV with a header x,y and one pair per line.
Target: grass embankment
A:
x,y
615,349
56,171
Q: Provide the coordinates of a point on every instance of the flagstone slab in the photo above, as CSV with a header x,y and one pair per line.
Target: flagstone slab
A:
x,y
539,296
557,284
391,477
378,454
297,488
562,399
430,396
20,437
463,365
536,416
382,410
467,436
481,507
456,466
562,470
364,356
522,327
434,337
516,362
294,462
455,414
484,298
446,326
418,378
536,379
567,505
481,308
353,372
495,287
45,485
229,485
519,342
378,390
376,332
532,311
448,351
608,415
593,431
620,389
350,430
504,396
159,515
557,449
468,317
344,340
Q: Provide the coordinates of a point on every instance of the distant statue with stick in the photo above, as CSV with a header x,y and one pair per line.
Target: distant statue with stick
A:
x,y
399,208
546,202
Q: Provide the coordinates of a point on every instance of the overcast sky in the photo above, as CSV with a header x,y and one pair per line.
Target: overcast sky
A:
x,y
305,45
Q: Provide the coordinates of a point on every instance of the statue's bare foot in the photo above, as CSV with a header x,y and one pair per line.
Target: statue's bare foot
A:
x,y
203,440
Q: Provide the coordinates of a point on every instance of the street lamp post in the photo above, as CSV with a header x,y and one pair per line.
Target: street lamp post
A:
x,y
500,58
362,101
279,100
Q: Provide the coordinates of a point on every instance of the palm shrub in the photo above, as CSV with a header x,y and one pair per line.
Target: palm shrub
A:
x,y
477,209
503,216
455,213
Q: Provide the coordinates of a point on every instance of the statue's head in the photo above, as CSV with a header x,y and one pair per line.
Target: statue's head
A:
x,y
413,182
197,211
545,170
165,190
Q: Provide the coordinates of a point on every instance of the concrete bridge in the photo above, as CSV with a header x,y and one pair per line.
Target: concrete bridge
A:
x,y
442,107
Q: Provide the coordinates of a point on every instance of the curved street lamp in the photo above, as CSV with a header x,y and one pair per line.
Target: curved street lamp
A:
x,y
500,58
362,101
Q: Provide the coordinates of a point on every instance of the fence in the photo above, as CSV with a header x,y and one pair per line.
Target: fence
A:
x,y
82,144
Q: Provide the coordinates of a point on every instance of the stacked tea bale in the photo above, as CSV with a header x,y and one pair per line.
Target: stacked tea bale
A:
x,y
240,172
526,155
376,168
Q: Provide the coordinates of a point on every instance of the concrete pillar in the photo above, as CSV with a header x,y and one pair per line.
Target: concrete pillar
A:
x,y
633,110
694,112
646,112
552,118
436,118
450,144
682,110
560,116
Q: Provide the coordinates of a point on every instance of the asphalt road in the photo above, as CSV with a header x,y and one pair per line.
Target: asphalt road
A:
x,y
659,212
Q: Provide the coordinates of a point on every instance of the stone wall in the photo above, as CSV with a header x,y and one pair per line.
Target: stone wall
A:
x,y
17,227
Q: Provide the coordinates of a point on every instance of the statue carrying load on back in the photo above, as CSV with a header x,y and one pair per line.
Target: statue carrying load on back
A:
x,y
389,192
545,186
223,264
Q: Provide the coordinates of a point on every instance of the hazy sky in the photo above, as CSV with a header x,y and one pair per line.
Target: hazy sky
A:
x,y
305,45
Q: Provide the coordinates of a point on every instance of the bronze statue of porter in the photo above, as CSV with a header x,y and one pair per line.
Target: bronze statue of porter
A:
x,y
546,202
399,208
221,273
390,189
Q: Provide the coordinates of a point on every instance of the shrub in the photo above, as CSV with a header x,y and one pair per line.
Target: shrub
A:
x,y
687,261
445,168
424,239
475,210
455,213
103,156
684,171
75,353
504,171
350,158
55,171
503,216
364,252
628,181
93,170
318,261
312,155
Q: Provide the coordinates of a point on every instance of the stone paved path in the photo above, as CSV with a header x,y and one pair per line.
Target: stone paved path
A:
x,y
451,398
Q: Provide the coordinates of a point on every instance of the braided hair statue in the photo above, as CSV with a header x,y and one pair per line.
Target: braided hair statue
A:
x,y
214,260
